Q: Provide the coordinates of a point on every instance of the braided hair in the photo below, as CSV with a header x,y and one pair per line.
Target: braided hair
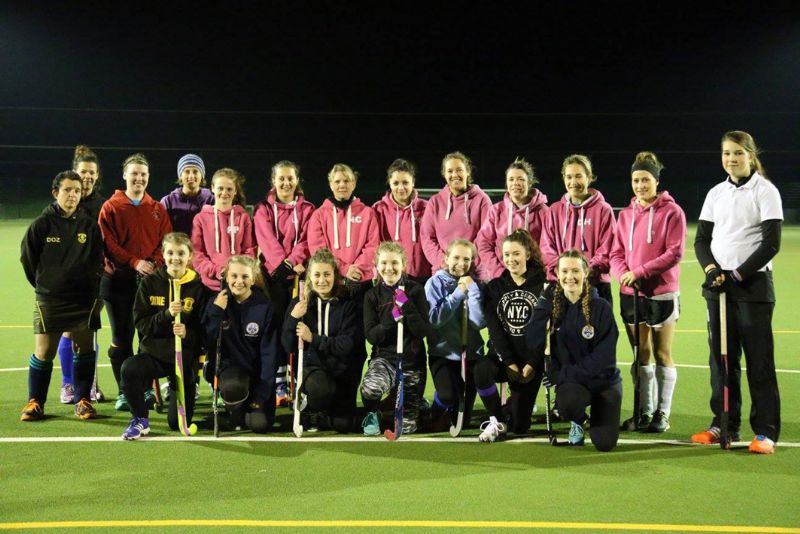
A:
x,y
559,298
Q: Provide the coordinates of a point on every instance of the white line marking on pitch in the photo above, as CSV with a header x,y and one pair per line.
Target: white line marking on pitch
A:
x,y
343,439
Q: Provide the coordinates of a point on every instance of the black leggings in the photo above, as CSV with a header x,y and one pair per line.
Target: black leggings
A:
x,y
333,394
446,376
572,400
236,386
118,296
139,372
488,372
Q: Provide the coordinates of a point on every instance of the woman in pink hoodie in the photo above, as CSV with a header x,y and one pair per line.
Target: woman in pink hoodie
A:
x,y
455,212
347,227
399,214
281,222
646,254
222,230
582,220
523,206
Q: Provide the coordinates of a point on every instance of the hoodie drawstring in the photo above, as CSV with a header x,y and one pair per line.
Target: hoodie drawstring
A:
x,y
295,221
322,328
231,231
336,229
511,217
649,228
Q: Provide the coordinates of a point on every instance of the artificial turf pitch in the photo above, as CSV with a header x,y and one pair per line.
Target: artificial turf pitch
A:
x,y
649,483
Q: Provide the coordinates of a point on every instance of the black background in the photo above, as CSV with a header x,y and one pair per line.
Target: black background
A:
x,y
245,84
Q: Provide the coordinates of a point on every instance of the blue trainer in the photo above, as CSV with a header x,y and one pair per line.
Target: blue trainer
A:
x,y
575,434
371,424
138,427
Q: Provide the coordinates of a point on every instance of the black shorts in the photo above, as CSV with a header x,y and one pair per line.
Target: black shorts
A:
x,y
57,315
656,311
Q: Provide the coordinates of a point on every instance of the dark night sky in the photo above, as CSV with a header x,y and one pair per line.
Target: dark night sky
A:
x,y
363,81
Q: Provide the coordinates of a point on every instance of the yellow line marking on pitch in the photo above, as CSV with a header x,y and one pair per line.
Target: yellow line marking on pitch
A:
x,y
345,523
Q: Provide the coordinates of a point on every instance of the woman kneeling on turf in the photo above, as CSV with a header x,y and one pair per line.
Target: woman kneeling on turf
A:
x,y
510,300
325,318
396,298
583,347
154,313
247,348
451,292
62,254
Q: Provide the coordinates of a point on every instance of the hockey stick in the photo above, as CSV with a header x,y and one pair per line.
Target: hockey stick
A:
x,y
297,428
462,401
217,360
551,436
159,406
295,292
185,428
399,400
633,423
724,436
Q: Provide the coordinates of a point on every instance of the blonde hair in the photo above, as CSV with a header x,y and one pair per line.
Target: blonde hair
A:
x,y
343,167
247,261
238,182
746,141
135,159
578,159
391,247
177,239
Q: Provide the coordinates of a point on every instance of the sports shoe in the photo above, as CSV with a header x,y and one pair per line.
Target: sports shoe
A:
x,y
281,395
659,423
138,427
67,394
33,411
711,436
150,398
371,424
575,434
165,391
491,430
85,410
409,426
122,404
761,444
631,425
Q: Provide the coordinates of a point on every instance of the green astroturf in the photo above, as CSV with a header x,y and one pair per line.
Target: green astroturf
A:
x,y
637,483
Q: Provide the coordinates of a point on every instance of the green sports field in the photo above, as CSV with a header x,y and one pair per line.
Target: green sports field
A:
x,y
63,473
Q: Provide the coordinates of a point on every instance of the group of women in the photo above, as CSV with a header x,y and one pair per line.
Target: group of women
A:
x,y
321,282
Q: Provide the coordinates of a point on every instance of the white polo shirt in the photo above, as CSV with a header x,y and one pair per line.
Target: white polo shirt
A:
x,y
737,214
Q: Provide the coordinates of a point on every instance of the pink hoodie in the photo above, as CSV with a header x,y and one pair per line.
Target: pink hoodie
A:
x,y
400,224
588,227
281,230
211,239
352,235
650,243
504,218
448,217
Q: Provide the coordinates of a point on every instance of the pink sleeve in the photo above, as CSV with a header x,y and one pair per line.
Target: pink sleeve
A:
x,y
619,265
427,235
249,246
364,261
548,244
316,236
300,253
201,262
485,242
266,239
675,225
599,261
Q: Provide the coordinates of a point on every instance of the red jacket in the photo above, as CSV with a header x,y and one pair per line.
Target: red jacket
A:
x,y
132,233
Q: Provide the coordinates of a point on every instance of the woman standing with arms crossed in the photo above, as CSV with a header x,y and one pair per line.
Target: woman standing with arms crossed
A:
x,y
738,234
648,247
523,206
455,212
281,222
133,226
582,220
62,255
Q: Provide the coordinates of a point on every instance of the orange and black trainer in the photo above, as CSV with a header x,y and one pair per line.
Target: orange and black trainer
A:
x,y
32,412
85,410
762,445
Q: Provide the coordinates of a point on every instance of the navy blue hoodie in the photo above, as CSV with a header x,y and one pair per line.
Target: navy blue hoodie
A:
x,y
249,341
590,362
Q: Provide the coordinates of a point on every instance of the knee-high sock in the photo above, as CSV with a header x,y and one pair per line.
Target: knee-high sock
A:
x,y
84,365
666,377
65,355
39,373
491,399
646,383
